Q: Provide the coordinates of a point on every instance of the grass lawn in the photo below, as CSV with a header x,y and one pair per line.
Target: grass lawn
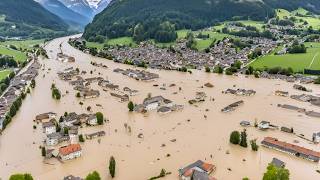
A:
x,y
182,33
205,43
121,41
18,55
116,41
4,74
297,62
25,44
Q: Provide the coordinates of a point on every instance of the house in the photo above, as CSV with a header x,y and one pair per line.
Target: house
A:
x,y
70,119
291,149
90,94
92,120
232,106
316,137
245,123
49,127
278,163
95,135
44,116
281,93
56,138
197,170
70,152
153,103
263,125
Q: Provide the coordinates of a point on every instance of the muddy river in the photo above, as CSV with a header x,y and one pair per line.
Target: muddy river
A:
x,y
201,132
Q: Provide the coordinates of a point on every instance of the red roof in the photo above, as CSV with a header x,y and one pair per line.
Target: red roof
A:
x,y
293,147
66,150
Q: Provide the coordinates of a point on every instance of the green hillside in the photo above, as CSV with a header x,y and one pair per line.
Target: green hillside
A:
x,y
121,18
27,18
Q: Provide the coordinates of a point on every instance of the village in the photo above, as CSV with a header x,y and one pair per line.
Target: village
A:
x,y
170,111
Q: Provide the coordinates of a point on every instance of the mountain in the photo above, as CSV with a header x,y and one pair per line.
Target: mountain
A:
x,y
101,5
30,12
121,16
74,19
150,18
80,6
25,18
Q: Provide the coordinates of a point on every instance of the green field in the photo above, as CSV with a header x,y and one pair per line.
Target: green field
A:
x,y
18,55
112,42
313,21
298,62
257,24
205,43
25,44
4,74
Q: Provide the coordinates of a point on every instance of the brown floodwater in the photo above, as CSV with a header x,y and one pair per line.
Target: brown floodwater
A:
x,y
140,159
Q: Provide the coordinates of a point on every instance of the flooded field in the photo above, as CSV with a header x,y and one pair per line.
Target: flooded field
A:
x,y
201,131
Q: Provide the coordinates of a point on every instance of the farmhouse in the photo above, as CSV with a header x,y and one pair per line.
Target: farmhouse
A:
x,y
44,116
70,152
90,94
291,149
197,170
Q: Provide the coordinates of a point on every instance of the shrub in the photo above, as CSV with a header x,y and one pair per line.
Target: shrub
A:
x,y
235,137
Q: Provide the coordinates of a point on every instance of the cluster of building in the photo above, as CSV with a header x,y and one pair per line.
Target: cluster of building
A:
x,y
291,149
240,92
293,78
314,100
232,106
140,75
300,110
16,87
159,103
65,132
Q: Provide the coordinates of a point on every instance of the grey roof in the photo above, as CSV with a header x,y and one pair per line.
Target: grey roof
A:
x,y
278,162
197,175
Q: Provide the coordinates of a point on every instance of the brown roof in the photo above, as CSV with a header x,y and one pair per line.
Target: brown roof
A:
x,y
293,147
69,149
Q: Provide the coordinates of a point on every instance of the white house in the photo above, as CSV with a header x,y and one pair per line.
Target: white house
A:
x,y
53,139
70,152
92,120
263,125
49,127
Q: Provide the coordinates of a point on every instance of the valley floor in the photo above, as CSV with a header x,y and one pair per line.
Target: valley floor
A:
x,y
196,137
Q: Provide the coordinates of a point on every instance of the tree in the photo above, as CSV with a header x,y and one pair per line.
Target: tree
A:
x,y
243,141
33,83
317,81
21,177
81,139
99,116
235,137
112,166
275,173
93,176
78,95
130,106
43,151
254,145
208,69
